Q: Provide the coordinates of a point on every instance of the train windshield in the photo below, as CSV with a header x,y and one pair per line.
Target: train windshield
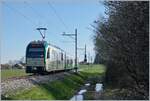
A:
x,y
35,53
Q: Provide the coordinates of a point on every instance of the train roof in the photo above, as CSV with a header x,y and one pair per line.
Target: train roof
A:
x,y
56,47
45,43
38,42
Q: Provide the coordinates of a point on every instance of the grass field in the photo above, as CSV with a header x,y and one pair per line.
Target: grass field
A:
x,y
8,73
60,89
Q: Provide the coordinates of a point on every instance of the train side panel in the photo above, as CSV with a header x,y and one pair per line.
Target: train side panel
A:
x,y
42,57
55,60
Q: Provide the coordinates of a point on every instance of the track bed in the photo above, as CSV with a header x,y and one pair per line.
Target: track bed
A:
x,y
14,84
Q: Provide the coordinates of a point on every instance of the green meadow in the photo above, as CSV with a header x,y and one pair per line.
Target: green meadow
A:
x,y
9,73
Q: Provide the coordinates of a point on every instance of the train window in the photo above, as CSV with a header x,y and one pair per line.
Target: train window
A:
x,y
71,61
62,56
48,55
36,49
54,54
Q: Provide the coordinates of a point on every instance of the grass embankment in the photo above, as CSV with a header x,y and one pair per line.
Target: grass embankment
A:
x,y
9,73
61,89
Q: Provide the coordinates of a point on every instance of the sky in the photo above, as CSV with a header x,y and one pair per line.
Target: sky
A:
x,y
21,18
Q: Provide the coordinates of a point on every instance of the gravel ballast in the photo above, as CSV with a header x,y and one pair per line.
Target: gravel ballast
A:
x,y
11,86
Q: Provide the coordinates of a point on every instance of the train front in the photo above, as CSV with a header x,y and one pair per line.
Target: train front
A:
x,y
35,57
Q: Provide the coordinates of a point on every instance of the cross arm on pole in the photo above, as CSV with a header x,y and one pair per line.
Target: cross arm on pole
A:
x,y
64,34
75,37
68,34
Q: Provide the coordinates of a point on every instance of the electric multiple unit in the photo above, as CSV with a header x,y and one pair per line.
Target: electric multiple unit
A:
x,y
43,57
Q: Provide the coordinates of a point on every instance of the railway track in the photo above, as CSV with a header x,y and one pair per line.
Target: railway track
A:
x,y
35,75
19,77
11,85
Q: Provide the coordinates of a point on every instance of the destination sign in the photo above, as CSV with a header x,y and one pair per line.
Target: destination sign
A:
x,y
36,49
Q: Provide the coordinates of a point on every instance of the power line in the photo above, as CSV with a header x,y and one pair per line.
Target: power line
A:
x,y
58,16
35,11
27,18
20,13
25,2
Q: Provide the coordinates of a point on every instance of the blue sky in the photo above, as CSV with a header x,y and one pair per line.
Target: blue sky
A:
x,y
20,20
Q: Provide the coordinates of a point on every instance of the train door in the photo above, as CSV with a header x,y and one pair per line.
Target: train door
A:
x,y
52,60
48,59
62,60
57,60
65,61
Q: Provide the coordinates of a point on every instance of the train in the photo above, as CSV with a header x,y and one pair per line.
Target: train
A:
x,y
43,57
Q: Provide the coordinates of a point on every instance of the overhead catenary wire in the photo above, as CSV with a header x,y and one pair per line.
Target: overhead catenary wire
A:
x,y
28,4
59,17
38,14
17,11
23,15
35,11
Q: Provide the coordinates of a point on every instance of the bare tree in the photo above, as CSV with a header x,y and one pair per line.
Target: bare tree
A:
x,y
122,41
